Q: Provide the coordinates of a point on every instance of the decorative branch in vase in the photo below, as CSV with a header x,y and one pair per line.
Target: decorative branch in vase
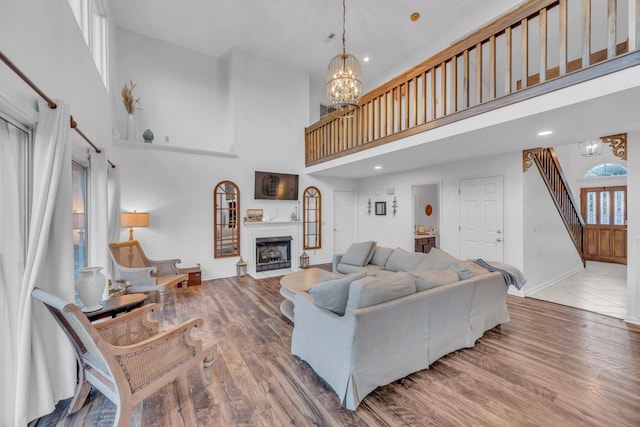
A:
x,y
131,104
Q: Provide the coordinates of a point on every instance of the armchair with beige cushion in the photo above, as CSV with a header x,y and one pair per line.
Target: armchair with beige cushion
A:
x,y
126,358
144,274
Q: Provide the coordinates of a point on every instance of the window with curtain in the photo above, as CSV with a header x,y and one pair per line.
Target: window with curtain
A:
x,y
14,189
80,215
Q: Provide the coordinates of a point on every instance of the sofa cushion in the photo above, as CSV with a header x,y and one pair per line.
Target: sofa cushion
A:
x,y
380,256
333,294
401,260
373,290
467,269
359,254
436,259
370,269
431,279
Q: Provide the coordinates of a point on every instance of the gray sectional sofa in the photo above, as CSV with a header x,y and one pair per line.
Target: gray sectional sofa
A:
x,y
391,314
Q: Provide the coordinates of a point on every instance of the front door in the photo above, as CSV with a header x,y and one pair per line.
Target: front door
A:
x,y
604,210
481,218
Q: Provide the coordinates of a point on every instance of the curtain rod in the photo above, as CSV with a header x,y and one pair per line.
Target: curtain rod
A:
x,y
49,101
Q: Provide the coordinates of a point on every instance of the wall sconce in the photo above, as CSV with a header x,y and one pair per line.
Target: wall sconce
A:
x,y
241,268
394,206
369,207
134,219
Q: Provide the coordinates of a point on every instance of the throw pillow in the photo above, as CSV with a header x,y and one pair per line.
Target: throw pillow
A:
x,y
372,290
381,256
333,294
431,279
436,259
401,260
467,269
358,254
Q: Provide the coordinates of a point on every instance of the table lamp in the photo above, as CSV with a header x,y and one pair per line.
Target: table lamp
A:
x,y
134,219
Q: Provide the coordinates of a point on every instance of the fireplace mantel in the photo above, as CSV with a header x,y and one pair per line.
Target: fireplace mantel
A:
x,y
255,230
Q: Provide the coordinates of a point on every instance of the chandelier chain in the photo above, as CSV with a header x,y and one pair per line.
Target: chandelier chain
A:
x,y
344,19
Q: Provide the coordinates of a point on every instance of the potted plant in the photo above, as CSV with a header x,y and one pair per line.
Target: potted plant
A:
x,y
131,104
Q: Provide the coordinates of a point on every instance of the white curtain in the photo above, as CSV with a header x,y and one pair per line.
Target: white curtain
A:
x,y
45,371
113,191
11,263
99,213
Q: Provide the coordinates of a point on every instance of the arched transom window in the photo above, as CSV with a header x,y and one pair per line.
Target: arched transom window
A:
x,y
604,170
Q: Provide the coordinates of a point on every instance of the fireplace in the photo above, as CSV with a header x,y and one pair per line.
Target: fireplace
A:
x,y
273,253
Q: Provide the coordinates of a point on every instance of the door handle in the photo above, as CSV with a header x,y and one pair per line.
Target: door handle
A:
x,y
498,240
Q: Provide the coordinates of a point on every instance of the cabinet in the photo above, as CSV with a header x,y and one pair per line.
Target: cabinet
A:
x,y
425,243
194,275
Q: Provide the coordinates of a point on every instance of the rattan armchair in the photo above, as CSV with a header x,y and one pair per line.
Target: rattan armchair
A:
x,y
145,274
125,358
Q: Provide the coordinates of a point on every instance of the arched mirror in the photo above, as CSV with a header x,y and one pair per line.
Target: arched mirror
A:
x,y
226,205
311,218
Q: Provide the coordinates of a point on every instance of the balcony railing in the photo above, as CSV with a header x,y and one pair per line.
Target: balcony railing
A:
x,y
539,47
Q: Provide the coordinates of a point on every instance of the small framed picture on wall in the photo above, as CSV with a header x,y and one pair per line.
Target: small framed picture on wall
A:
x,y
381,208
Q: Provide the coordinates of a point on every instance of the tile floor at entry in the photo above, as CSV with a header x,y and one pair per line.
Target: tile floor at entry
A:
x,y
600,288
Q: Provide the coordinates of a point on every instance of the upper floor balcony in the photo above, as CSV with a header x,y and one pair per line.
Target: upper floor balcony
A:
x,y
537,48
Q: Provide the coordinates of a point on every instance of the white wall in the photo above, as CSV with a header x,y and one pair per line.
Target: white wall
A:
x,y
266,108
43,39
549,253
183,94
633,229
398,231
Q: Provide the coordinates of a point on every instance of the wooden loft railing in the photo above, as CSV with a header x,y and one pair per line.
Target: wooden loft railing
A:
x,y
500,64
549,166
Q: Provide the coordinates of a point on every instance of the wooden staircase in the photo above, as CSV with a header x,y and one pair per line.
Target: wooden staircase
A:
x,y
549,166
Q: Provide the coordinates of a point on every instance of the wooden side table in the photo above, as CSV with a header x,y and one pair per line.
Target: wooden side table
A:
x,y
425,243
113,306
195,275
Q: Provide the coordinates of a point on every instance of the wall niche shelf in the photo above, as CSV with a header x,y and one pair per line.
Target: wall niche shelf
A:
x,y
135,145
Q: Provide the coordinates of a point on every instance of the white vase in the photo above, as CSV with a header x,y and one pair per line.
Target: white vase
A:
x,y
90,286
131,128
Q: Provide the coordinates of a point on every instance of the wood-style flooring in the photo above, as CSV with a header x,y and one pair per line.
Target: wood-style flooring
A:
x,y
550,365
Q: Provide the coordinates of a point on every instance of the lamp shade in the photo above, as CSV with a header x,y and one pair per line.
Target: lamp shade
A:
x,y
78,220
134,219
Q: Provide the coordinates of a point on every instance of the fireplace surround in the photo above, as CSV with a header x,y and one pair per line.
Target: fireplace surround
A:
x,y
253,231
273,253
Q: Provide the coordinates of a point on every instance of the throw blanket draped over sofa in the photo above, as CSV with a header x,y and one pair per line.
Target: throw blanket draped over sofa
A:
x,y
392,313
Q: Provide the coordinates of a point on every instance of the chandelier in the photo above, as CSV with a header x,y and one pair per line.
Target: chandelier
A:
x,y
591,148
343,80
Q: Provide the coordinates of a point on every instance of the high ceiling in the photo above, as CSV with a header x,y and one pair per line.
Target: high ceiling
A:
x,y
295,32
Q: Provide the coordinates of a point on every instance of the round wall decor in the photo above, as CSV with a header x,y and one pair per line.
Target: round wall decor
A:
x,y
428,210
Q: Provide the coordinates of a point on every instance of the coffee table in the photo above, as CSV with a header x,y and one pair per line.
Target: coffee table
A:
x,y
113,306
300,281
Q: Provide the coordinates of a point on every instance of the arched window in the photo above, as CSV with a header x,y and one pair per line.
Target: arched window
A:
x,y
312,218
226,205
604,170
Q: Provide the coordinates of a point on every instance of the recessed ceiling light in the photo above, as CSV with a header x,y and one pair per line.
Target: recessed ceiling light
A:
x,y
377,167
415,16
545,132
366,59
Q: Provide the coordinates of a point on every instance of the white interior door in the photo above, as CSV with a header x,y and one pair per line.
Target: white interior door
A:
x,y
344,220
482,218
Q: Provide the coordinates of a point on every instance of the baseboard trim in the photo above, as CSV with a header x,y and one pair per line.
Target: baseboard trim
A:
x,y
531,291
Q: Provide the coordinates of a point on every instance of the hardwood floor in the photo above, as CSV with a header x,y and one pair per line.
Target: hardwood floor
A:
x,y
550,365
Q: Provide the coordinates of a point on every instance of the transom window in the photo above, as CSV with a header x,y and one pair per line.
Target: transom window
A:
x,y
605,169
